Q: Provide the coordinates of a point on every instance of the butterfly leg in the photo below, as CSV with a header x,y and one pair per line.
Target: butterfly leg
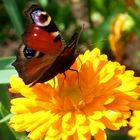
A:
x,y
63,81
78,78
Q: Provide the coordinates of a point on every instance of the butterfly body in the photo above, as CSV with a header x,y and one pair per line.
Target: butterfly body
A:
x,y
43,53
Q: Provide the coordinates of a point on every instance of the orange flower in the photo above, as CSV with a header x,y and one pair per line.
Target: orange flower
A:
x,y
99,95
135,124
122,23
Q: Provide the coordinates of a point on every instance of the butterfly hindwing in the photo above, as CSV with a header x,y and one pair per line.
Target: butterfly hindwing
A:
x,y
31,69
62,61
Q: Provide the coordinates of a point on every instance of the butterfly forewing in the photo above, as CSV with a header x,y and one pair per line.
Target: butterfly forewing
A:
x,y
42,33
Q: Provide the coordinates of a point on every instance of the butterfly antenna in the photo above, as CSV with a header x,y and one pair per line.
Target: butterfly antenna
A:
x,y
81,30
96,43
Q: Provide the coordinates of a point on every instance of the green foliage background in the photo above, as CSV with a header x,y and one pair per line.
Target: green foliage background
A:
x,y
11,17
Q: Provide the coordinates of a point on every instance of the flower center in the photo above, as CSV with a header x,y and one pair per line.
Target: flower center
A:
x,y
73,93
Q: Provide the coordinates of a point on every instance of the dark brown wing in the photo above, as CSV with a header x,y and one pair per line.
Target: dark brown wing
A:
x,y
69,54
43,67
30,70
62,62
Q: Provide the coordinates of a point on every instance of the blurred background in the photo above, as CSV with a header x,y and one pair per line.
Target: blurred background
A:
x,y
112,26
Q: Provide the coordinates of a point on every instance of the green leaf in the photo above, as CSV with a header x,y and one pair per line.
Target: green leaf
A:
x,y
6,118
135,16
43,2
13,12
19,135
118,135
3,111
6,69
4,96
5,75
5,63
5,131
137,2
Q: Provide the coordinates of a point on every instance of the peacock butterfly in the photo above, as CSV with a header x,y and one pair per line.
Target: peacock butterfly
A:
x,y
43,53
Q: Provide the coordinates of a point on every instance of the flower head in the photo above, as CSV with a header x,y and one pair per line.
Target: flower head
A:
x,y
99,95
135,124
117,38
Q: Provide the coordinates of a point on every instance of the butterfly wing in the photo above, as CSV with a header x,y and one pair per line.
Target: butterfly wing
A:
x,y
31,69
69,54
35,66
42,43
62,62
43,54
42,33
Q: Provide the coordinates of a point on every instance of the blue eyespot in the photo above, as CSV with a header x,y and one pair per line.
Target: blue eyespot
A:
x,y
29,53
